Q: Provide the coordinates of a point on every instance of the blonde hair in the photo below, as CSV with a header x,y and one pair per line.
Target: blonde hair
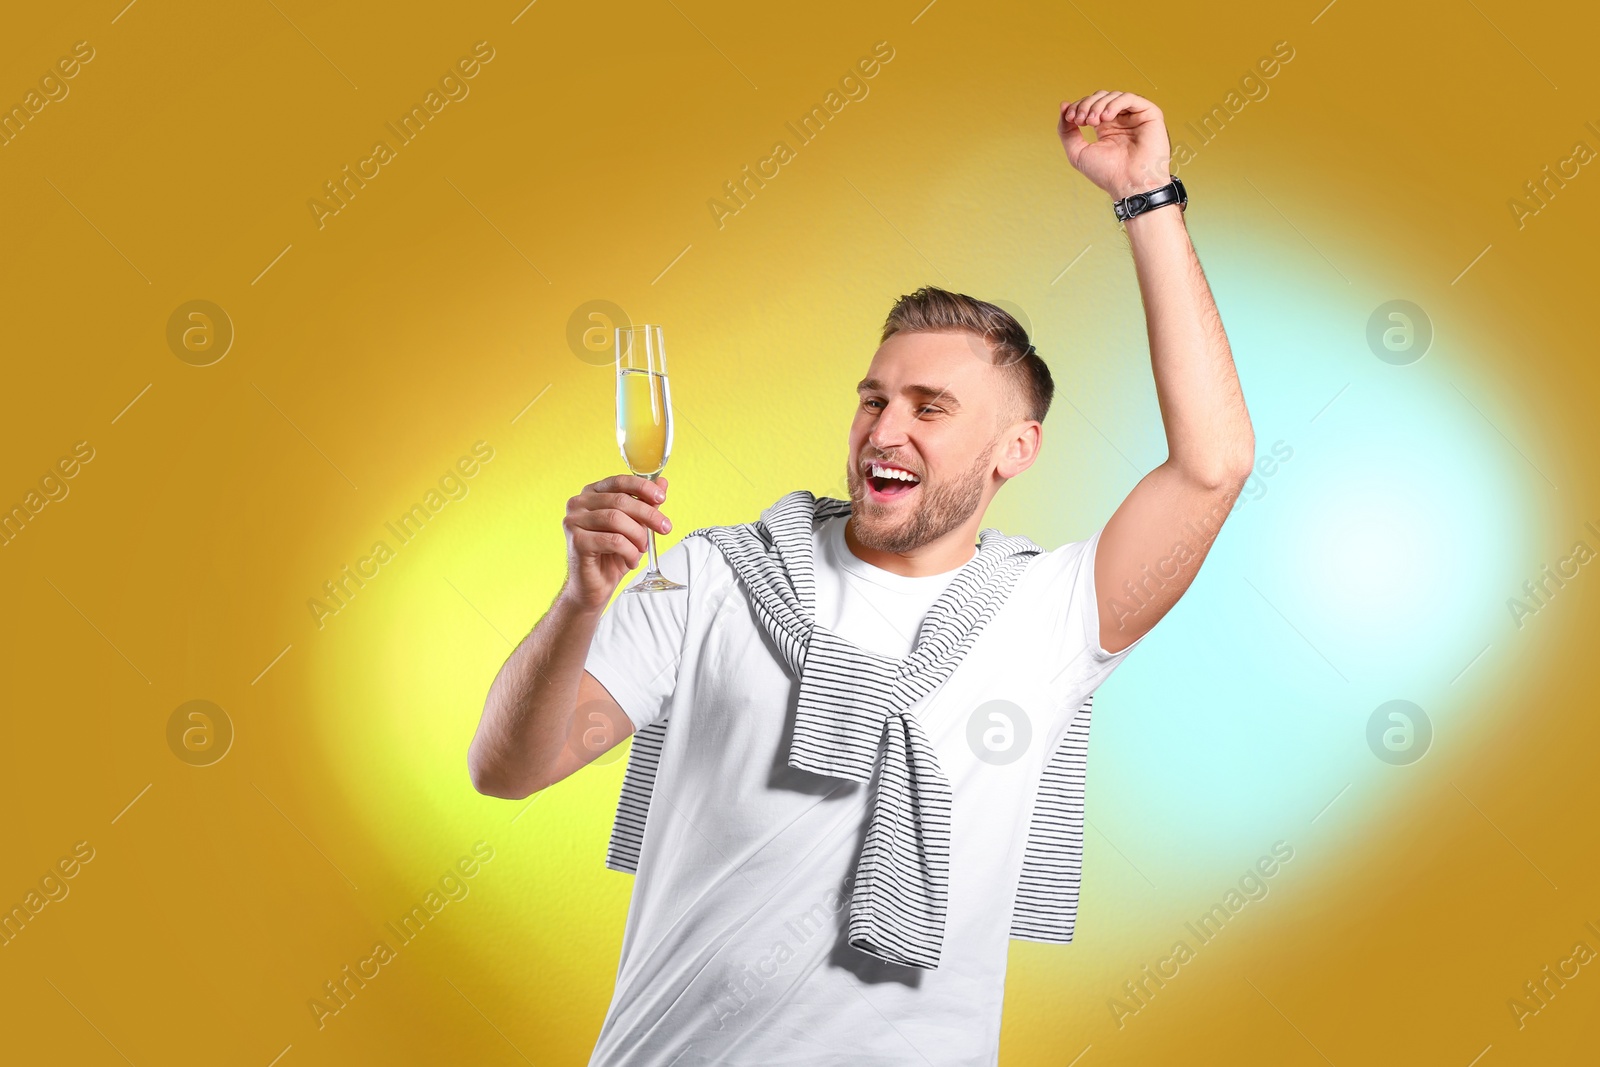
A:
x,y
1029,386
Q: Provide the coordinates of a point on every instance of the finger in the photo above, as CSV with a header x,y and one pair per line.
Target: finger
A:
x,y
645,513
641,512
594,535
1133,109
1082,107
643,488
1105,108
602,527
1124,104
599,544
1077,106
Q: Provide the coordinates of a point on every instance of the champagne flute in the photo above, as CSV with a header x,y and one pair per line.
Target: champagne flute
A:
x,y
644,423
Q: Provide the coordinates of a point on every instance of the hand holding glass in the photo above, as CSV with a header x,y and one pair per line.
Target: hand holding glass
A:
x,y
644,423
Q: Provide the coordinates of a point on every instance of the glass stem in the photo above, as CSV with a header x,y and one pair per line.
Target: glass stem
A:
x,y
650,545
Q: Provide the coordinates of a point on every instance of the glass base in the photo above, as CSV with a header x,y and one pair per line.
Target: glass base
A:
x,y
654,583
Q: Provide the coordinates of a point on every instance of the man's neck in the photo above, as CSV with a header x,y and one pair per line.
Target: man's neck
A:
x,y
938,556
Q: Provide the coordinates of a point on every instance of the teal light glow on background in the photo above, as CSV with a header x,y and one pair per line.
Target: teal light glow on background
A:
x,y
1371,565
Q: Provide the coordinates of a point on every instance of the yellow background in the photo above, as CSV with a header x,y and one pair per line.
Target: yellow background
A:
x,y
432,312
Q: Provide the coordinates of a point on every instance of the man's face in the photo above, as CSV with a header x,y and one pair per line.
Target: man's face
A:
x,y
928,405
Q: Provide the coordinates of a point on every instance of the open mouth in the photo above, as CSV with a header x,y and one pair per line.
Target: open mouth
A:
x,y
888,482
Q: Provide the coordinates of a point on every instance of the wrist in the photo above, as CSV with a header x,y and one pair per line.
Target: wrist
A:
x,y
1136,185
575,606
1145,177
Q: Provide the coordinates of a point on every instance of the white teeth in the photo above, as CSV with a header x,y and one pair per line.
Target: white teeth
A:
x,y
879,471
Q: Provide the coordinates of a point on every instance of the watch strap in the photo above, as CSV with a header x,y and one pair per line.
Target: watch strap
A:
x,y
1138,203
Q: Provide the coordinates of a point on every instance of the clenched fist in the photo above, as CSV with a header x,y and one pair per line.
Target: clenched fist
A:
x,y
1132,153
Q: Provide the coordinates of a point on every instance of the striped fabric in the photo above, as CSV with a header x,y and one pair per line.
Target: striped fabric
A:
x,y
851,720
1052,867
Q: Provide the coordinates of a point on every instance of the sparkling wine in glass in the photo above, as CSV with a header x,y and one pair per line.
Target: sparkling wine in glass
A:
x,y
644,423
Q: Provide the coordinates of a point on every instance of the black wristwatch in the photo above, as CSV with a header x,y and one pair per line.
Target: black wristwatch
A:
x,y
1137,204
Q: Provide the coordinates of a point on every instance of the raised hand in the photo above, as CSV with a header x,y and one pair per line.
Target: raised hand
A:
x,y
1132,153
605,528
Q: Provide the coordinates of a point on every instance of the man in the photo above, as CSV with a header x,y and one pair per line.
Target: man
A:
x,y
829,872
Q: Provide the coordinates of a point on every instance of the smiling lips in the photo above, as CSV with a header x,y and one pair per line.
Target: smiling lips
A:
x,y
886,481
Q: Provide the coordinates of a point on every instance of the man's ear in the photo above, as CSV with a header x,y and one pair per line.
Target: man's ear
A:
x,y
1023,441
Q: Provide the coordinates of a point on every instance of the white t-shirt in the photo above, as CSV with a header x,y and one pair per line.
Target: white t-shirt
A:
x,y
735,951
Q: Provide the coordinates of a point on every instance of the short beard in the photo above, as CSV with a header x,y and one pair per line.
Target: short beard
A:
x,y
944,507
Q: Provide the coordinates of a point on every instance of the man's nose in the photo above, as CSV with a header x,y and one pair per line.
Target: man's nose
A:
x,y
889,429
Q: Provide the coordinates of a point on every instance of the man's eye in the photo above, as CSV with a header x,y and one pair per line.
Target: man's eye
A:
x,y
923,410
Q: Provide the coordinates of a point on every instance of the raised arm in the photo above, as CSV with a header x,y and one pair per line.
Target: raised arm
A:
x,y
1153,544
530,735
